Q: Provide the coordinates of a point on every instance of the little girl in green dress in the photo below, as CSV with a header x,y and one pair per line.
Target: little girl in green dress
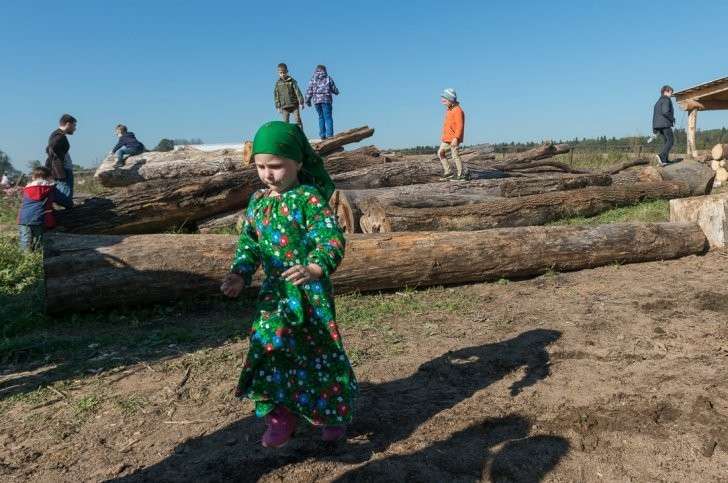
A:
x,y
296,366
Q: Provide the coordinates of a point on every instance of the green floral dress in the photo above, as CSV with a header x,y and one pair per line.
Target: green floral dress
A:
x,y
296,357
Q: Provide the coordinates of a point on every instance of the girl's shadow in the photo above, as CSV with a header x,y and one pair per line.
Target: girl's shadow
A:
x,y
386,413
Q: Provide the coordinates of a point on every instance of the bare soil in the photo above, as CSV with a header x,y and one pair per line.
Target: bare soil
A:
x,y
611,374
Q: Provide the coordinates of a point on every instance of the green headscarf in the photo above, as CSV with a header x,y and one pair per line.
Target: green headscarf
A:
x,y
288,141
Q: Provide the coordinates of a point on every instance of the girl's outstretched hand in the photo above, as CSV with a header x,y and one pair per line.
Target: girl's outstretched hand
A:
x,y
299,274
232,285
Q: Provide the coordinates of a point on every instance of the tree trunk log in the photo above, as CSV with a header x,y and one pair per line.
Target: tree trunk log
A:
x,y
719,151
511,212
328,146
524,159
350,204
191,163
85,273
404,173
161,204
226,221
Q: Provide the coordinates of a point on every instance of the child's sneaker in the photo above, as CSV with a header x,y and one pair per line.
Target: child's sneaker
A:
x,y
449,175
281,425
333,433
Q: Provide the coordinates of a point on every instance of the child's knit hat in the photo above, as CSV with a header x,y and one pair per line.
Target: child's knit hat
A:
x,y
449,94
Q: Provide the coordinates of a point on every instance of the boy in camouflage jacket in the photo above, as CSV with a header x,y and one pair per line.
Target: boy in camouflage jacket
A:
x,y
288,97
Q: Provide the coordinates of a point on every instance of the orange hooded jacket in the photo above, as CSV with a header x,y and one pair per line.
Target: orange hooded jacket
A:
x,y
454,127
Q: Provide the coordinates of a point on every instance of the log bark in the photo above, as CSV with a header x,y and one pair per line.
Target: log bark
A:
x,y
719,151
404,173
512,212
191,163
161,204
328,146
698,176
85,273
350,204
524,159
225,221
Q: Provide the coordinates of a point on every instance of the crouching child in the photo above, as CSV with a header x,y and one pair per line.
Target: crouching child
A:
x,y
36,210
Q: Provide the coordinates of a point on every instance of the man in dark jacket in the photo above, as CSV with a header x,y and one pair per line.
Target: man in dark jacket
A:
x,y
663,118
59,161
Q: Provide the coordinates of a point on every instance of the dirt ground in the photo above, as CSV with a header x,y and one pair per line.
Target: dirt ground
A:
x,y
611,374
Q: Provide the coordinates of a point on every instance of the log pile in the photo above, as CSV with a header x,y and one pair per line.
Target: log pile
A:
x,y
95,271
719,155
158,192
410,213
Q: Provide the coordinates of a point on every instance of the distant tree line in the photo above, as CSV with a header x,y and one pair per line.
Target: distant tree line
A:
x,y
704,140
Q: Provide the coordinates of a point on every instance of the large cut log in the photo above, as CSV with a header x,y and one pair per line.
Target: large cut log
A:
x,y
350,204
192,163
526,159
161,204
182,163
710,212
510,212
698,176
719,151
92,272
404,173
328,146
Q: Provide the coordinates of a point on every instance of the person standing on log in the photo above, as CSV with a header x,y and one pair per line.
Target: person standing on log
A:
x,y
59,161
36,210
128,145
296,366
663,118
287,96
453,131
321,90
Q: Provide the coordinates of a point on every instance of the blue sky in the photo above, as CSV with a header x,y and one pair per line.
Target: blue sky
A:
x,y
524,70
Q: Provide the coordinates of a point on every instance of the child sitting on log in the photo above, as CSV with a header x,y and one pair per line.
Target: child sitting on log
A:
x,y
36,211
128,145
296,366
453,131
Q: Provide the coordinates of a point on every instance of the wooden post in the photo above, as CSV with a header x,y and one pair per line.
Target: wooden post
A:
x,y
639,152
692,123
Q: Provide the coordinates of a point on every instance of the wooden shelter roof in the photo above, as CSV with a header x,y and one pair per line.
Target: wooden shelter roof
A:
x,y
708,96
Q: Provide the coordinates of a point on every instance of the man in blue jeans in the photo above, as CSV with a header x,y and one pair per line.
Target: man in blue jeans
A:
x,y
59,161
321,90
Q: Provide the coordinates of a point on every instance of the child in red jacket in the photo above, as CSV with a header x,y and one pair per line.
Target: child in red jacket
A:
x,y
36,211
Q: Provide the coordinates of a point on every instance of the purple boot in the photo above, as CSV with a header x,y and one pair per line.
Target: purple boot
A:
x,y
281,425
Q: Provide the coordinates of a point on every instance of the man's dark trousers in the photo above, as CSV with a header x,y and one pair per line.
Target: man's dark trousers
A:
x,y
666,133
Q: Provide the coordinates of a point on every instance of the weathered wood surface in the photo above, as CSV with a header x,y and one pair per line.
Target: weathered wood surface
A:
x,y
225,221
511,212
403,173
719,151
94,272
710,212
162,204
698,176
350,204
332,144
191,163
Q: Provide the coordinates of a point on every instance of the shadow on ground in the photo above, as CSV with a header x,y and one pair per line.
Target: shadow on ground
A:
x,y
392,412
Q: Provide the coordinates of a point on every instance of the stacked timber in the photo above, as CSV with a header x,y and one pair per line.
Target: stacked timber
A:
x,y
157,192
719,155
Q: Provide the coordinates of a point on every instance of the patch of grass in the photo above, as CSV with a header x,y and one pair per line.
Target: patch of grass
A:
x,y
86,405
132,404
21,288
647,211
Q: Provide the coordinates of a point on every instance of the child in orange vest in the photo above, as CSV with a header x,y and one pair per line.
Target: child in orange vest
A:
x,y
452,134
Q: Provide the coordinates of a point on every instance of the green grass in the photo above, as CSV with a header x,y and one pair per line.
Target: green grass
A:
x,y
646,212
